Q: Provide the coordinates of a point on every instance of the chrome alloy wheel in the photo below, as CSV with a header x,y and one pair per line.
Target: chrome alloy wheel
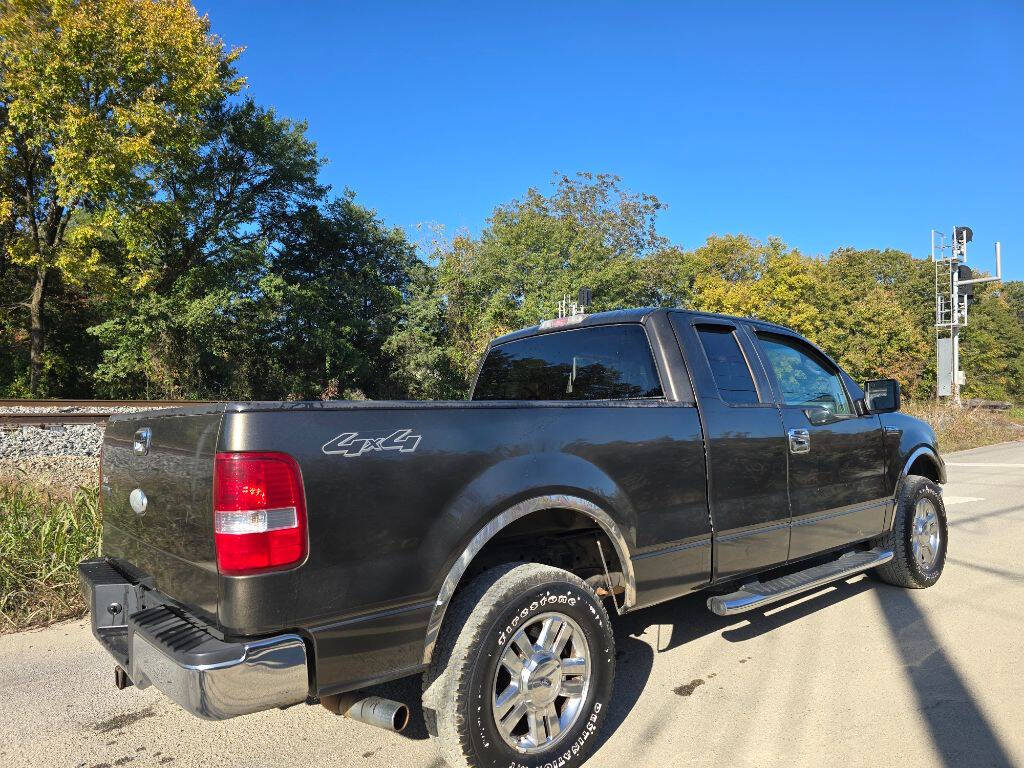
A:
x,y
541,682
925,533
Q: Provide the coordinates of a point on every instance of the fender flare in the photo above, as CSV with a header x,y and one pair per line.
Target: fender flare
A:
x,y
506,518
921,450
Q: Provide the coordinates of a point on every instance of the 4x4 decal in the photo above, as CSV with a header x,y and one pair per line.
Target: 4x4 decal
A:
x,y
352,444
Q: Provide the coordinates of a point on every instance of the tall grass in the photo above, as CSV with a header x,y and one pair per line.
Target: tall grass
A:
x,y
961,428
43,536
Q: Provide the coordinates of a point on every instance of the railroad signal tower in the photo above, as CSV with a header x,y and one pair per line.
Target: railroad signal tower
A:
x,y
954,289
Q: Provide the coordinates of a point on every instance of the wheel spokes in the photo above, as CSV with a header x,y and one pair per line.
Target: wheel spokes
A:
x,y
512,719
551,722
549,632
572,687
512,661
521,644
509,698
562,639
535,722
574,666
541,697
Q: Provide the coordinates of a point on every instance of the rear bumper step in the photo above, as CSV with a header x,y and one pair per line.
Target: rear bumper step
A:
x,y
173,651
758,594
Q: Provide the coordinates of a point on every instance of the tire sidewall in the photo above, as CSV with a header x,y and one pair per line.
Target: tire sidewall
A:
x,y
928,490
579,604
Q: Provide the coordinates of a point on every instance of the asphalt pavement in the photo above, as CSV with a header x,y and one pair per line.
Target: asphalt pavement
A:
x,y
855,674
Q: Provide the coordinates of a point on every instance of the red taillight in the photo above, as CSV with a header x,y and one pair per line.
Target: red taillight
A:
x,y
259,514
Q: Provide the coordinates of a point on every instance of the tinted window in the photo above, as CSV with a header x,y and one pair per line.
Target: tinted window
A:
x,y
609,362
729,367
804,377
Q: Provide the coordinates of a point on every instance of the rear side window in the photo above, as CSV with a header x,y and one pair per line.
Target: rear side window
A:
x,y
728,365
610,362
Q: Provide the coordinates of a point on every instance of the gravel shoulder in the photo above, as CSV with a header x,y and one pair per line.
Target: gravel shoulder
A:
x,y
856,674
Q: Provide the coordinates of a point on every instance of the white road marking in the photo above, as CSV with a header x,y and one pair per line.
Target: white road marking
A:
x,y
983,464
951,500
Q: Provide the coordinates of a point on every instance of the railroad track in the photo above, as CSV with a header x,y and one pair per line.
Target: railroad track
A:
x,y
56,415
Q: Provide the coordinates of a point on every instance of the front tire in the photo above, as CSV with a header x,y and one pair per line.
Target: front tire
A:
x,y
918,536
523,670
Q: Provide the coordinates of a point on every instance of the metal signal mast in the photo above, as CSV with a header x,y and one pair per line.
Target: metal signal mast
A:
x,y
954,289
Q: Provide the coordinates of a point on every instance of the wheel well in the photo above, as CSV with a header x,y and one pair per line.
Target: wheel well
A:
x,y
564,538
925,467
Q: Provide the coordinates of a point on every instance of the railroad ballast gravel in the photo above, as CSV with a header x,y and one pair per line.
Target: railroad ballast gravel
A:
x,y
61,456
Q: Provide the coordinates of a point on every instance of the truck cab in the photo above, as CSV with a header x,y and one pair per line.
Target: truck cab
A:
x,y
795,462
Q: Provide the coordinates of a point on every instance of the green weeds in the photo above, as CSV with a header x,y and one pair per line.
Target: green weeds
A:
x,y
43,536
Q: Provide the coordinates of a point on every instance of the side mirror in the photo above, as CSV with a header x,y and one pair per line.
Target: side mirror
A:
x,y
882,395
820,417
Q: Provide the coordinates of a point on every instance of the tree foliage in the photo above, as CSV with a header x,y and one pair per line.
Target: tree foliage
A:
x,y
872,310
195,261
534,251
97,97
163,235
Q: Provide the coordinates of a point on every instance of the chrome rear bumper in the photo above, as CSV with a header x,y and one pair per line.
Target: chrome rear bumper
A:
x,y
165,647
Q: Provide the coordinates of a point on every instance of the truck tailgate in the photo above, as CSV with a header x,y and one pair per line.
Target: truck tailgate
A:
x,y
167,534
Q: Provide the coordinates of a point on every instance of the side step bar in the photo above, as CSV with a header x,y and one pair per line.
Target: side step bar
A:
x,y
758,594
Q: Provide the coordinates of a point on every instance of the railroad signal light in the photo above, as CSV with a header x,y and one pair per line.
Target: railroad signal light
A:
x,y
954,292
961,237
963,274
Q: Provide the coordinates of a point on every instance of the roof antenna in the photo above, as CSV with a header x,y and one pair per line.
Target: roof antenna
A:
x,y
584,298
570,312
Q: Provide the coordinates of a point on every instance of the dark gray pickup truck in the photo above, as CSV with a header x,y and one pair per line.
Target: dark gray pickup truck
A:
x,y
265,554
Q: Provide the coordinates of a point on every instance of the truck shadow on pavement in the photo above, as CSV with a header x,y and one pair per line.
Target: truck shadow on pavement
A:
x,y
685,619
958,727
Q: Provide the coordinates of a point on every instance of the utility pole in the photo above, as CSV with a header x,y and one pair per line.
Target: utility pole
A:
x,y
954,289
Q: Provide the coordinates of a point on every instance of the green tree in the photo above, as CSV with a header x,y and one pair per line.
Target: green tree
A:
x,y
590,232
1013,292
874,336
991,347
197,289
671,274
742,276
423,365
343,278
96,98
878,314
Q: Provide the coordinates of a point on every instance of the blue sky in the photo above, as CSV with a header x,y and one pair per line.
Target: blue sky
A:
x,y
826,124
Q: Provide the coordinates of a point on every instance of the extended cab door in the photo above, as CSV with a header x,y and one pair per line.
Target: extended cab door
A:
x,y
837,485
745,443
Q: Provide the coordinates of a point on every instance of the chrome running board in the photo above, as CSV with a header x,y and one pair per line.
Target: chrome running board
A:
x,y
761,593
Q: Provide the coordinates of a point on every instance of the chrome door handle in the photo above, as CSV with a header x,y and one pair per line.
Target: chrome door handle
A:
x,y
799,441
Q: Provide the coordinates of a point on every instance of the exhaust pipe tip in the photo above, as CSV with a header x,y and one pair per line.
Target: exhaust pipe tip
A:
x,y
401,718
373,710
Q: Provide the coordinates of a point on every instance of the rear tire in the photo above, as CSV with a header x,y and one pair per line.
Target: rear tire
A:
x,y
521,638
918,536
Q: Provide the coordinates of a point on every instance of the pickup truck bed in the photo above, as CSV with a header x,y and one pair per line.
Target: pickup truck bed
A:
x,y
382,550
